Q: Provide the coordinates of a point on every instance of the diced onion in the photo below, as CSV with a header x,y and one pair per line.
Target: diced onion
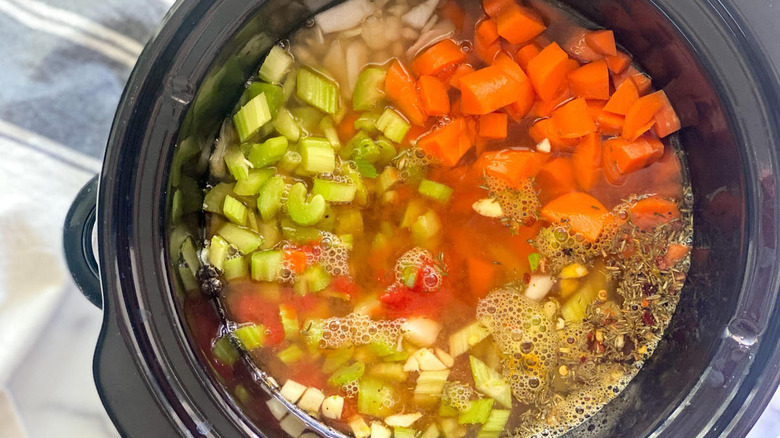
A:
x,y
419,15
343,16
539,287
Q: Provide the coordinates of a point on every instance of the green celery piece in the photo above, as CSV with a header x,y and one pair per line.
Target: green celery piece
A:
x,y
289,321
286,125
317,155
243,395
252,184
291,231
414,210
347,374
215,197
366,169
409,276
177,207
435,190
276,65
224,351
308,118
446,410
393,125
478,412
393,372
218,251
273,95
328,223
314,279
398,356
369,89
234,268
267,265
334,191
251,117
188,280
234,210
388,179
317,90
312,330
338,358
467,337
251,336
430,385
431,432
270,200
270,231
237,164
347,240
426,229
367,123
375,397
329,130
490,382
361,196
403,432
288,86
368,152
291,354
495,424
350,222
382,349
269,152
301,211
190,255
354,143
386,151
533,260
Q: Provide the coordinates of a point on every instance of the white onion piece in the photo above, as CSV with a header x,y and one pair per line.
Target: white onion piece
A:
x,y
292,425
335,63
539,287
278,410
421,331
420,14
402,420
392,28
374,33
357,57
343,16
227,136
442,30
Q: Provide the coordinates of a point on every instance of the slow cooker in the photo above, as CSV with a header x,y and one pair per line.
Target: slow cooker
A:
x,y
719,362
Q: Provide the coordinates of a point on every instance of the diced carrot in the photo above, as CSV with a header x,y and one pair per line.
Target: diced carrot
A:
x,y
587,161
471,128
445,143
512,166
666,120
493,125
487,52
525,54
525,95
518,24
650,212
582,212
433,95
545,128
675,253
438,57
624,97
556,178
486,31
401,89
494,7
618,63
573,120
414,133
547,71
454,12
608,164
462,70
643,83
591,81
639,118
577,48
482,276
487,90
346,129
602,41
296,259
632,156
544,108
481,144
610,124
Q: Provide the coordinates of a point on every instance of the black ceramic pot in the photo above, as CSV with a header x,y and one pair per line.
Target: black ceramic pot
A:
x,y
713,373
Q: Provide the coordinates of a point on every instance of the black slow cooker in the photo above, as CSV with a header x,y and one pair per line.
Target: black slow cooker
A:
x,y
719,362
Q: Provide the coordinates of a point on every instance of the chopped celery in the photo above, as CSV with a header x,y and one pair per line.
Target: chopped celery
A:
x,y
495,424
414,210
467,337
234,268
393,372
533,260
386,151
451,429
251,336
277,63
308,118
317,90
369,89
434,190
234,210
291,231
329,130
446,410
381,349
348,240
430,385
218,251
317,155
431,432
251,221
273,95
286,125
338,358
237,164
190,255
302,211
246,241
347,374
312,333
367,151
215,197
574,309
334,191
242,394
267,265
403,432
388,179
177,207
188,279
313,279
291,354
426,229
350,222
270,200
409,276
251,117
269,152
393,125
356,142
398,356
288,87
361,196
366,169
251,185
375,397
289,319
224,351
478,412
366,123
290,161
490,382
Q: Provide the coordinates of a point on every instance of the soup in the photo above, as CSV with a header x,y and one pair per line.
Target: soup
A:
x,y
454,220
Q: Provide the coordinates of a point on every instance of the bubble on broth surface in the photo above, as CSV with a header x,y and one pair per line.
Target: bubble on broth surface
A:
x,y
458,395
355,329
519,204
334,255
420,258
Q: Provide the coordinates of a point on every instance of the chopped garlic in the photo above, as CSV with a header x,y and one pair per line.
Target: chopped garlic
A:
x,y
544,146
444,357
421,331
402,420
292,390
332,407
488,207
311,401
538,287
379,431
428,360
412,364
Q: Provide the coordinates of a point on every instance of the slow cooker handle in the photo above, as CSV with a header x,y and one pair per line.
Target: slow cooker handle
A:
x,y
78,242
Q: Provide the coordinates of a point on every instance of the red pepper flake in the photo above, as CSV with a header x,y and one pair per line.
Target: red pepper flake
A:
x,y
527,278
648,318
